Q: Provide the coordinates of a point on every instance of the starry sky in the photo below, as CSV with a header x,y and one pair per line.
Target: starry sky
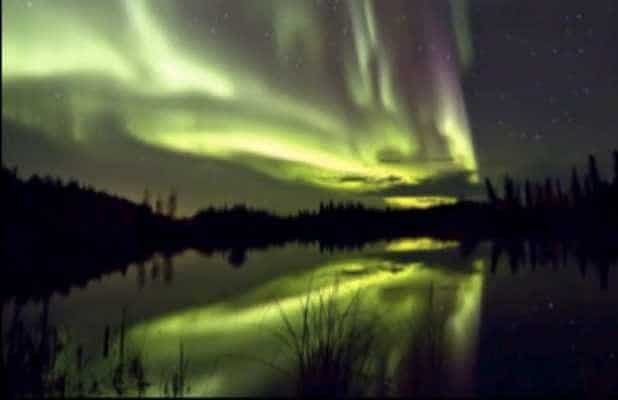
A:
x,y
281,104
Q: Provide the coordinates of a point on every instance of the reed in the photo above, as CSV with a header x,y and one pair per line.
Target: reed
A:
x,y
331,346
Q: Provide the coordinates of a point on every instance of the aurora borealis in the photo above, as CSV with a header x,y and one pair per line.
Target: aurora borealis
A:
x,y
317,98
265,102
187,179
229,321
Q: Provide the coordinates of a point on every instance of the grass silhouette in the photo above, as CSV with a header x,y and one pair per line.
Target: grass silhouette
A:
x,y
331,347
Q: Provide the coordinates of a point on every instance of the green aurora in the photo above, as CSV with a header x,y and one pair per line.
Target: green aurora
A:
x,y
329,94
230,340
248,326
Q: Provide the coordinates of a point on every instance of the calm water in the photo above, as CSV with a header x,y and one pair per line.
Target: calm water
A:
x,y
446,324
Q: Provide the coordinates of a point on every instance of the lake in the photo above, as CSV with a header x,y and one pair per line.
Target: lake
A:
x,y
534,322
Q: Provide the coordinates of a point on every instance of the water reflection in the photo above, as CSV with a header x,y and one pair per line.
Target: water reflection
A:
x,y
414,298
544,252
443,320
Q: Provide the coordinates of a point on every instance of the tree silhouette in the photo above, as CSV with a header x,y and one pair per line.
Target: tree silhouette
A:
x,y
588,188
172,204
540,195
159,206
529,196
237,257
114,231
593,173
491,192
615,154
576,189
510,192
168,270
518,195
550,197
560,196
146,199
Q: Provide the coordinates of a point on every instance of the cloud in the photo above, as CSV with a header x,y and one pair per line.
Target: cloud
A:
x,y
454,184
391,179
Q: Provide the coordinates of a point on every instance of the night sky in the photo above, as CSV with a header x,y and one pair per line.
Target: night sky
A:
x,y
281,104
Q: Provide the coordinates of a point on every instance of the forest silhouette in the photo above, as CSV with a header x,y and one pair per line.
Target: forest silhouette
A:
x,y
65,233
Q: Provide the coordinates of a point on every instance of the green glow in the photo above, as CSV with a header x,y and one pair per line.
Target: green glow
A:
x,y
299,109
452,123
463,346
418,201
469,300
297,25
30,50
459,10
419,244
312,159
369,52
172,69
246,324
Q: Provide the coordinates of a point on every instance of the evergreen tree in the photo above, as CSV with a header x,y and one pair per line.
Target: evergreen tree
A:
x,y
593,173
588,188
615,154
576,189
550,196
491,193
529,196
560,197
510,192
172,204
159,206
540,195
518,198
146,199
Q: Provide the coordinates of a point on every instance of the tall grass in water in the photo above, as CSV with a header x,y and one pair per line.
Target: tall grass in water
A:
x,y
175,384
129,376
331,346
28,360
42,362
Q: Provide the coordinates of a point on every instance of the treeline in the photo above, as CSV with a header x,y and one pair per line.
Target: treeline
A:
x,y
588,204
66,233
77,215
345,225
61,234
57,234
